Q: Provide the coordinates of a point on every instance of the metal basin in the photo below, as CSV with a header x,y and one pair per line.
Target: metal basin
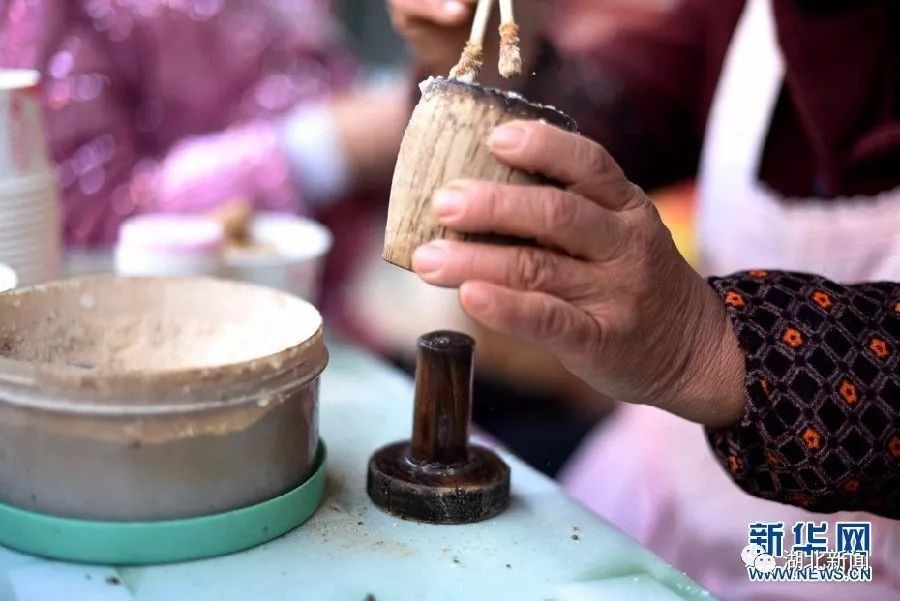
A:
x,y
140,399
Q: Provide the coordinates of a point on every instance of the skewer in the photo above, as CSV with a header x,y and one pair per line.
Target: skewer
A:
x,y
472,58
510,56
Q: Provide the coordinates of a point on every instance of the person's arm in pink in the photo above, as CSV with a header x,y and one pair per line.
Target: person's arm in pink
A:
x,y
130,135
88,114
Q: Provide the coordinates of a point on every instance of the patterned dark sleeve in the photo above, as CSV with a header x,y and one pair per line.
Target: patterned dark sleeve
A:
x,y
822,425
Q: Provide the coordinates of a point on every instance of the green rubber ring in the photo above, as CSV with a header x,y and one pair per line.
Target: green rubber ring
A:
x,y
137,543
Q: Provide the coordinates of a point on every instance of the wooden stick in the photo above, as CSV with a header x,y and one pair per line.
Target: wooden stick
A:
x,y
472,58
480,21
510,55
443,401
506,12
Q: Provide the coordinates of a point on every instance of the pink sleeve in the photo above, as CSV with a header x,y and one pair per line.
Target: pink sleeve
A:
x,y
87,114
246,161
103,95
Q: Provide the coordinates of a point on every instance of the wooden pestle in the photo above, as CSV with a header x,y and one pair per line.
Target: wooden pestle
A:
x,y
444,141
443,402
438,477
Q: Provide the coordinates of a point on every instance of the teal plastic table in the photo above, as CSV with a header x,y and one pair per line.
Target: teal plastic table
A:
x,y
545,546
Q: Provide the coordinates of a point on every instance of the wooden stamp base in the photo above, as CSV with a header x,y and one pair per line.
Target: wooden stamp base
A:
x,y
438,494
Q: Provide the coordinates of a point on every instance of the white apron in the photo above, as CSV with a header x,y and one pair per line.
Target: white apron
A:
x,y
653,474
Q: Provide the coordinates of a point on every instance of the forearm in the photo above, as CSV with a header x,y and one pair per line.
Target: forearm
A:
x,y
315,153
369,125
822,389
246,161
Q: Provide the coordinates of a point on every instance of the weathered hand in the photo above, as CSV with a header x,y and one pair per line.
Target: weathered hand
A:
x,y
605,290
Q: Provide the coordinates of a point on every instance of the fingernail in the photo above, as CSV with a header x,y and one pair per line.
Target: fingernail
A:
x,y
448,203
428,259
454,7
476,298
506,137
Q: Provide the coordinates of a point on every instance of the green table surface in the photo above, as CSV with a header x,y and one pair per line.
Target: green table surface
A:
x,y
545,546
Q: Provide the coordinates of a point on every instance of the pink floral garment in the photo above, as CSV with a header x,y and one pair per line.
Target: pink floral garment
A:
x,y
171,105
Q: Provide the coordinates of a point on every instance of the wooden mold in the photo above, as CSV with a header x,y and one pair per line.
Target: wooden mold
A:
x,y
444,141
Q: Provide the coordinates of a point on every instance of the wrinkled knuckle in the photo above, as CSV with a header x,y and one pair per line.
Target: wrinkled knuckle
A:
x,y
635,195
583,343
484,203
596,340
533,269
592,157
617,236
589,339
554,323
647,233
468,262
506,202
652,217
560,210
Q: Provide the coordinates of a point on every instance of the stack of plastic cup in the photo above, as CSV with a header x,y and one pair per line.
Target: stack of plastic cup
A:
x,y
30,231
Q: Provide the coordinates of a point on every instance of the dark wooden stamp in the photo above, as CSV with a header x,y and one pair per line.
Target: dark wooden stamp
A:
x,y
438,477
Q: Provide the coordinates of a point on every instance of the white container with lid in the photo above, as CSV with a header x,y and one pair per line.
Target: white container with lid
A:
x,y
286,252
7,278
170,245
145,399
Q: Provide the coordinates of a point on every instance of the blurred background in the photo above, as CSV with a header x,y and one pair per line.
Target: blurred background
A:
x,y
372,38
256,140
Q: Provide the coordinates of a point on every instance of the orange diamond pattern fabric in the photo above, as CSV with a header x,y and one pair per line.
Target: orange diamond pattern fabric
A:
x,y
822,425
